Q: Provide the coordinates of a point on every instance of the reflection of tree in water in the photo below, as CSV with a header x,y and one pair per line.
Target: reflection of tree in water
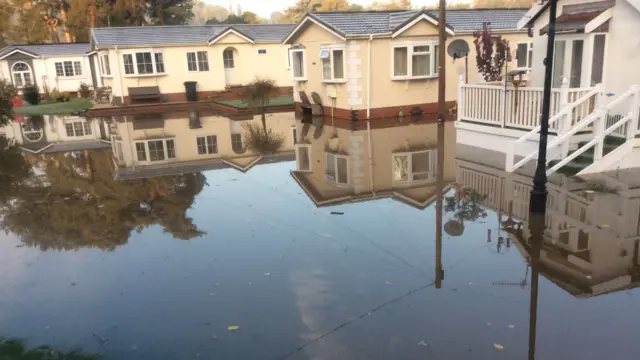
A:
x,y
71,201
465,206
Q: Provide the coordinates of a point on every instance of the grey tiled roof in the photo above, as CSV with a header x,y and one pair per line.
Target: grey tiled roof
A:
x,y
49,49
377,22
184,34
472,19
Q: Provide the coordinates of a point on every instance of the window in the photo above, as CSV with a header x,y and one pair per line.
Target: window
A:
x,y
32,131
415,61
337,169
21,74
128,64
303,157
143,63
198,61
159,62
236,142
333,64
297,57
414,166
155,150
104,65
227,58
262,51
524,55
207,145
78,128
597,59
558,63
68,68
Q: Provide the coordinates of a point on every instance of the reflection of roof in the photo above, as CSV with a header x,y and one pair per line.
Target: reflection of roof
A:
x,y
321,201
48,49
66,146
575,20
196,166
185,34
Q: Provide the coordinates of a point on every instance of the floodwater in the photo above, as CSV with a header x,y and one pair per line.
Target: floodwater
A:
x,y
275,263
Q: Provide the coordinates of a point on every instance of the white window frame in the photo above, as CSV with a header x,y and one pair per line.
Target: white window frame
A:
x,y
199,68
105,65
329,178
529,59
73,68
433,158
298,157
331,49
134,61
206,145
410,46
85,125
304,64
242,144
146,149
21,75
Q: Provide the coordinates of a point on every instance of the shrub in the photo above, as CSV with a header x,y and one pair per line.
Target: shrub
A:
x,y
259,141
60,96
85,90
31,94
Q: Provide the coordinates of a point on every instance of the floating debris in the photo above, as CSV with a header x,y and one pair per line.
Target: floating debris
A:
x,y
233,327
267,274
498,346
511,326
423,343
489,323
337,213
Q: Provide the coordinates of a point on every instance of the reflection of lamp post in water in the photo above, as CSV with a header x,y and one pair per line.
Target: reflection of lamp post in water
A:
x,y
439,272
536,227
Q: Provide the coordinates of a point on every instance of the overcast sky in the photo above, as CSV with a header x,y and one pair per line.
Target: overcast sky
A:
x,y
266,7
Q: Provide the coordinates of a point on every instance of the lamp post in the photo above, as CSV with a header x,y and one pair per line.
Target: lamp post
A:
x,y
538,201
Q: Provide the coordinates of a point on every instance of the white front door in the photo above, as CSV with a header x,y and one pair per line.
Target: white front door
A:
x,y
229,66
580,59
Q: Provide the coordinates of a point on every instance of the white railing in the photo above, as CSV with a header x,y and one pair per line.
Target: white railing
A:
x,y
517,108
568,117
609,119
603,125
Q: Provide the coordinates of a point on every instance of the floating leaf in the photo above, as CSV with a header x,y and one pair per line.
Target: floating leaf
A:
x,y
423,343
387,282
498,346
233,327
511,326
267,274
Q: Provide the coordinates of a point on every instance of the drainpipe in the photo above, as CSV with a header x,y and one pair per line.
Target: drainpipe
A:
x,y
369,80
373,191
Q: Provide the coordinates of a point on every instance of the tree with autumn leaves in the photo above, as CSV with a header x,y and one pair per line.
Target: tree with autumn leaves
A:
x,y
37,21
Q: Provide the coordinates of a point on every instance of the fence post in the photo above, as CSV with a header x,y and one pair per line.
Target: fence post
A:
x,y
598,131
565,121
503,107
632,127
510,155
460,97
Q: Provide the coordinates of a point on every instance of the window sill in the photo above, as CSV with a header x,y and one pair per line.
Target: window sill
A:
x,y
343,81
107,76
300,79
403,78
80,77
144,75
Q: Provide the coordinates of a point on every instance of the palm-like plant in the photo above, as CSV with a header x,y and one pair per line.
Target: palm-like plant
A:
x,y
258,93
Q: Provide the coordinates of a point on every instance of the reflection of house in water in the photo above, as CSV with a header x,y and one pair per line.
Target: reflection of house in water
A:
x,y
591,238
49,134
399,161
159,144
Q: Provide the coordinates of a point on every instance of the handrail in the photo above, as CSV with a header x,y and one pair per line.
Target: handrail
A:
x,y
567,110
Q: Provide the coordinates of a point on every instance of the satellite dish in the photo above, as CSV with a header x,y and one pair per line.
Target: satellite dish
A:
x,y
458,49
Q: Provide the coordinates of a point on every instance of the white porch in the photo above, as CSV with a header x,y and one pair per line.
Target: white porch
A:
x,y
584,124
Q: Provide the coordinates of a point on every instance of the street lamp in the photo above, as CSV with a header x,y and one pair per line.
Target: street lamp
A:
x,y
538,201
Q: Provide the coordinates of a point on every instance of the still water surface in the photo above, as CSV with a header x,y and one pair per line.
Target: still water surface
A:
x,y
160,268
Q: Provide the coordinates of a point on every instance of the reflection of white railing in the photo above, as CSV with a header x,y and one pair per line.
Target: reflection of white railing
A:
x,y
517,108
562,121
